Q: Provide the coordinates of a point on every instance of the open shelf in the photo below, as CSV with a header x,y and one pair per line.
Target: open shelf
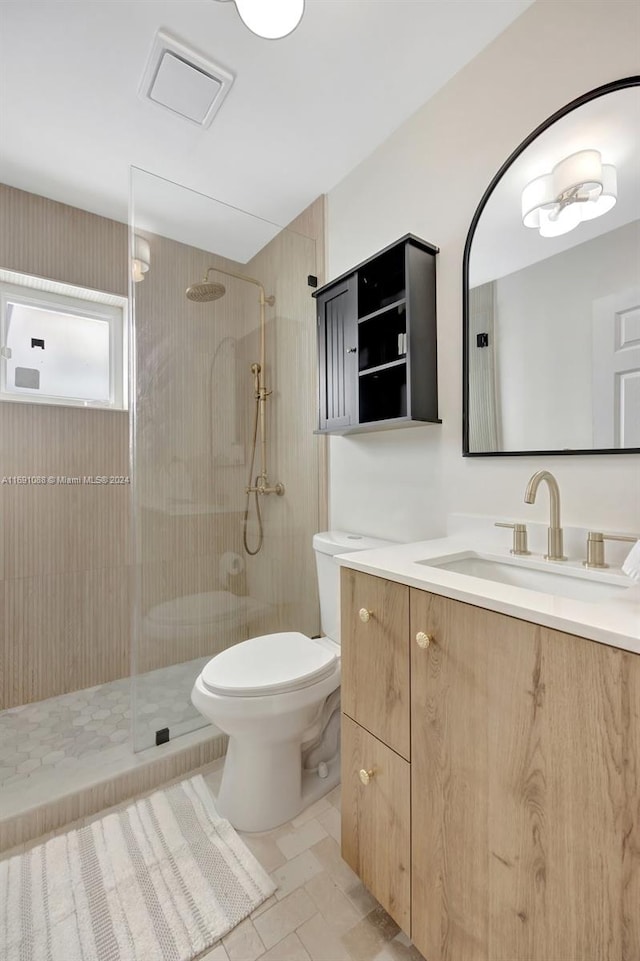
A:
x,y
381,310
382,338
383,395
376,370
382,282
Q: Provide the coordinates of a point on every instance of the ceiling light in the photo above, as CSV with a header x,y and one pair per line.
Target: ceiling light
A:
x,y
141,258
580,187
271,19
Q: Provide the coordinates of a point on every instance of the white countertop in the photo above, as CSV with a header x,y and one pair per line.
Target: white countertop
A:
x,y
612,621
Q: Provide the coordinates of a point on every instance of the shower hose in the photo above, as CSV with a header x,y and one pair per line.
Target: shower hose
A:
x,y
252,553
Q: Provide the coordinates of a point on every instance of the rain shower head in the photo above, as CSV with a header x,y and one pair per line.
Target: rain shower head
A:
x,y
205,292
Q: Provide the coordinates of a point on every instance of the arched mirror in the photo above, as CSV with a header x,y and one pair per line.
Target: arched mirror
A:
x,y
551,294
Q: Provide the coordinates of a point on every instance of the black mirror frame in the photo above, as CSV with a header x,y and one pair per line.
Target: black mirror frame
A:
x,y
602,91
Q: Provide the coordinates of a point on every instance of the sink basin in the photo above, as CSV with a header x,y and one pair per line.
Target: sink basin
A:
x,y
574,583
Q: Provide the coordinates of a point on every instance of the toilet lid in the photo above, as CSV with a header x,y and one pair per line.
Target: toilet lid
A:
x,y
271,664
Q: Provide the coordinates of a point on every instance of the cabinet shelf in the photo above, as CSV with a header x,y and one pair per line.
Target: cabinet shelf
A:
x,y
377,355
383,310
381,367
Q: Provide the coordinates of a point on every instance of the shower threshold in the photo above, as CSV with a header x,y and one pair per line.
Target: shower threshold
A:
x,y
66,744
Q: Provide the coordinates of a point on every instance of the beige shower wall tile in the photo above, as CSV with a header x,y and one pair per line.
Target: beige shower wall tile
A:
x,y
49,239
163,582
58,440
64,632
167,535
57,529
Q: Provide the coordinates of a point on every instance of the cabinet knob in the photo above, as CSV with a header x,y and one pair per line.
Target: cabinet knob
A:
x,y
364,615
365,776
423,640
351,350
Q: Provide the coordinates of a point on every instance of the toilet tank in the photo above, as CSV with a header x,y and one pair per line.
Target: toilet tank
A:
x,y
326,545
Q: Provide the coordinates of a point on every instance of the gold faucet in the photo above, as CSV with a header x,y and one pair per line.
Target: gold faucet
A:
x,y
554,537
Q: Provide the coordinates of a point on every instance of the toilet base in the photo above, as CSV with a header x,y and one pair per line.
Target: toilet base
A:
x,y
262,789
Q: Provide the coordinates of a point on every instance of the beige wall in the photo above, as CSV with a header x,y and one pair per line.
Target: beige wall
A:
x,y
66,571
428,178
64,582
285,569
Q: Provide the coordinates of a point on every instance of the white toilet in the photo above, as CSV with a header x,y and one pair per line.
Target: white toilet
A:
x,y
269,694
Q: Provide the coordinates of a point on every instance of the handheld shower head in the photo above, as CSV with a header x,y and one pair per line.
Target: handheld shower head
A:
x,y
205,292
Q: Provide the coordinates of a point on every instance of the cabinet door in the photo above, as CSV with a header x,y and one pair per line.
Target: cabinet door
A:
x,y
375,657
525,791
338,356
376,819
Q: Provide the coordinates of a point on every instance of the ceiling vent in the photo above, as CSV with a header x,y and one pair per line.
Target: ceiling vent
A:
x,y
184,81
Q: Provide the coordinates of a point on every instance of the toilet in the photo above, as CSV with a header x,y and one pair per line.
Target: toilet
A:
x,y
275,696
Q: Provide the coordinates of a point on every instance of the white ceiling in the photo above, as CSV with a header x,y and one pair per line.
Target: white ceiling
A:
x,y
303,111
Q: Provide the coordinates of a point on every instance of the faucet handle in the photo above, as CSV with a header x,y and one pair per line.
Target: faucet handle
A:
x,y
519,537
595,546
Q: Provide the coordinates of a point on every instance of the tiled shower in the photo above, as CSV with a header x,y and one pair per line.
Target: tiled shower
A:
x,y
114,597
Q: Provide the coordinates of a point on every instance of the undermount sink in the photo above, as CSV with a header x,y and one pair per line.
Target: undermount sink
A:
x,y
574,583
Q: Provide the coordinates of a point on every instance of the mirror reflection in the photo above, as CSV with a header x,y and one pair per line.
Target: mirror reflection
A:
x,y
552,275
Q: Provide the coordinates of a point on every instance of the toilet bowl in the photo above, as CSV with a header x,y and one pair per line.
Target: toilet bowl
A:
x,y
268,694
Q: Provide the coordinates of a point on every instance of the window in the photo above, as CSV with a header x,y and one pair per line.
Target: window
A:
x,y
61,344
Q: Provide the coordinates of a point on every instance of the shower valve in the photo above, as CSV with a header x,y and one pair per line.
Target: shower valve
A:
x,y
263,489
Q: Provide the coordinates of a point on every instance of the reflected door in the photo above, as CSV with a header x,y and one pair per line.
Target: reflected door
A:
x,y
616,370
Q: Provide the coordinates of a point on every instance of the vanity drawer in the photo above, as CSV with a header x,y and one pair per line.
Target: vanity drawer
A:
x,y
375,657
376,836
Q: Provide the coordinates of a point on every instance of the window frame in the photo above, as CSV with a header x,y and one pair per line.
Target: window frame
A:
x,y
82,302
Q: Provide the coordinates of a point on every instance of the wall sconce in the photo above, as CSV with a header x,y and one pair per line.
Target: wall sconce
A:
x,y
271,19
580,187
141,258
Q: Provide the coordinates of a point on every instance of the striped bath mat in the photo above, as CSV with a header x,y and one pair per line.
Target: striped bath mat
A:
x,y
161,880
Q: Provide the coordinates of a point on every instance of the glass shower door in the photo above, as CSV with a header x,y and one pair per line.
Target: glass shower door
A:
x,y
198,589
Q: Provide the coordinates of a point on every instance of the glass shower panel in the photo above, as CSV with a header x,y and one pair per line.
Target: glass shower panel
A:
x,y
224,291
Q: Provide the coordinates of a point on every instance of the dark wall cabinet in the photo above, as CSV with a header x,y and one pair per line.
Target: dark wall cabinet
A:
x,y
377,354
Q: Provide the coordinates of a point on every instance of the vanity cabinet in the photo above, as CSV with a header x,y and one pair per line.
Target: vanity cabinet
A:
x,y
376,799
524,769
377,361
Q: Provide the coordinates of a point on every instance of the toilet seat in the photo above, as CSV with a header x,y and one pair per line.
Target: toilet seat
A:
x,y
270,664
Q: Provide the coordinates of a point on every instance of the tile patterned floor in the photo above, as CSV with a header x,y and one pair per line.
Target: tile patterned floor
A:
x,y
63,732
320,912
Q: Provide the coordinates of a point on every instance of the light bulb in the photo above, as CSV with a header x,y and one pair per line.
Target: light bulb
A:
x,y
554,222
271,19
141,258
138,270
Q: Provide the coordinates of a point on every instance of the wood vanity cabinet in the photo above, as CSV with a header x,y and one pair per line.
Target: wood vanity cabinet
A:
x,y
524,767
376,789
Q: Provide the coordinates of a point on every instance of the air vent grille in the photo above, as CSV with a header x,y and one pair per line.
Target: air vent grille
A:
x,y
184,81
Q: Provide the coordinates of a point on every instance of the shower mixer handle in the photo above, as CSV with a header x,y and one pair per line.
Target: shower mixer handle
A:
x,y
263,489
